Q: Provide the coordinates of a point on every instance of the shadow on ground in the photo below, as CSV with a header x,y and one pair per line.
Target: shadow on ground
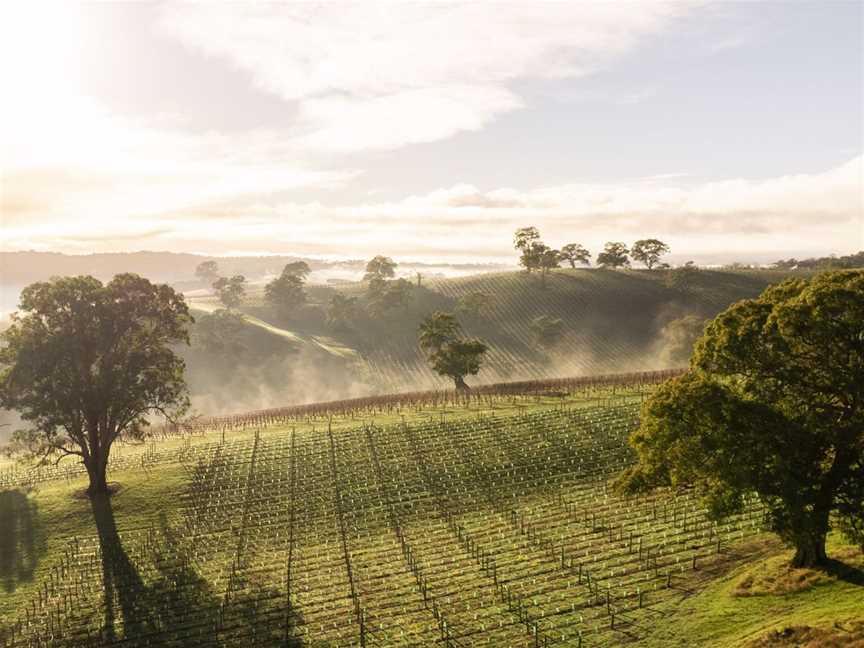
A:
x,y
175,606
18,533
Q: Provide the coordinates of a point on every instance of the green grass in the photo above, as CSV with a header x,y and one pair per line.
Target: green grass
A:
x,y
719,616
480,463
57,512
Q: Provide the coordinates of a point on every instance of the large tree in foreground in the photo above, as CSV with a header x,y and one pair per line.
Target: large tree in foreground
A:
x,y
448,354
85,363
773,404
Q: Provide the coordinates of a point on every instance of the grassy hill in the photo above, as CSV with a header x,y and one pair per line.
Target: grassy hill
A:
x,y
610,322
488,523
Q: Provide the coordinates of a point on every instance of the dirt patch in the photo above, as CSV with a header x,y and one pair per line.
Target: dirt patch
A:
x,y
840,635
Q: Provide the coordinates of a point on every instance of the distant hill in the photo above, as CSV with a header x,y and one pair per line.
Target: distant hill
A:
x,y
22,268
609,322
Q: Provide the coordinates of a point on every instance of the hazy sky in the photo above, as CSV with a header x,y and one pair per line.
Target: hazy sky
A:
x,y
432,130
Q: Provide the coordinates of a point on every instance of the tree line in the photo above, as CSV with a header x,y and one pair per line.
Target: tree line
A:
x,y
536,256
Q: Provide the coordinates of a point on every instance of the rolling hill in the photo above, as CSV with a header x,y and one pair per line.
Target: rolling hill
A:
x,y
609,322
485,522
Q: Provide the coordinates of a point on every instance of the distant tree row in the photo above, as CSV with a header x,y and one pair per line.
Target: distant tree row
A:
x,y
847,262
536,256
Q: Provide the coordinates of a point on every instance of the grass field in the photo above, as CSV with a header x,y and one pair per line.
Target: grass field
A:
x,y
491,525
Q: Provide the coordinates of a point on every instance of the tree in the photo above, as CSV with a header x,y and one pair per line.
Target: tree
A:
x,y
86,363
547,329
773,404
391,294
474,304
378,270
230,291
219,332
574,253
524,237
648,252
342,311
207,271
527,241
447,354
286,292
547,260
614,255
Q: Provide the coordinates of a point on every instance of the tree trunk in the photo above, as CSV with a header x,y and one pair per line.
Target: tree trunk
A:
x,y
97,468
810,550
461,385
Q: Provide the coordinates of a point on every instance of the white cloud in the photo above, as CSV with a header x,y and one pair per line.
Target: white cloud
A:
x,y
821,212
382,75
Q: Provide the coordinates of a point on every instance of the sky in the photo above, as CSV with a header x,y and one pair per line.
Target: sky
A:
x,y
431,131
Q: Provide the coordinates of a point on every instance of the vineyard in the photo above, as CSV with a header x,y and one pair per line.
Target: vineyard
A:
x,y
444,524
610,322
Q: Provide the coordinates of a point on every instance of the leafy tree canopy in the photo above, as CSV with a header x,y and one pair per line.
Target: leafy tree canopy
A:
x,y
84,363
524,237
207,271
648,252
219,332
547,329
447,354
231,292
380,268
773,404
286,292
574,253
614,255
342,311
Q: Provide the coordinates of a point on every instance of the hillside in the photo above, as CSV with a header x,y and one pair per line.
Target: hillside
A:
x,y
482,523
610,322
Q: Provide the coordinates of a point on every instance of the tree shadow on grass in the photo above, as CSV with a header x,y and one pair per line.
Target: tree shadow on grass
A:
x,y
846,572
19,529
177,606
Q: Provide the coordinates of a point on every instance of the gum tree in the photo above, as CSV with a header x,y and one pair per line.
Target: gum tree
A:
x,y
448,354
773,404
85,363
648,252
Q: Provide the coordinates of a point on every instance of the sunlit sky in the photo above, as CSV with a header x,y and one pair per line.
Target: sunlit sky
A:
x,y
432,131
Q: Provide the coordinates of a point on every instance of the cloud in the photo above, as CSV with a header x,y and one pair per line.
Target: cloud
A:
x,y
380,76
820,212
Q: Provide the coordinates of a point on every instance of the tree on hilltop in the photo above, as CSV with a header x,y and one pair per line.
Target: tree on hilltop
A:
x,y
547,260
614,255
231,292
773,404
574,253
85,364
378,270
286,291
448,354
534,253
648,252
